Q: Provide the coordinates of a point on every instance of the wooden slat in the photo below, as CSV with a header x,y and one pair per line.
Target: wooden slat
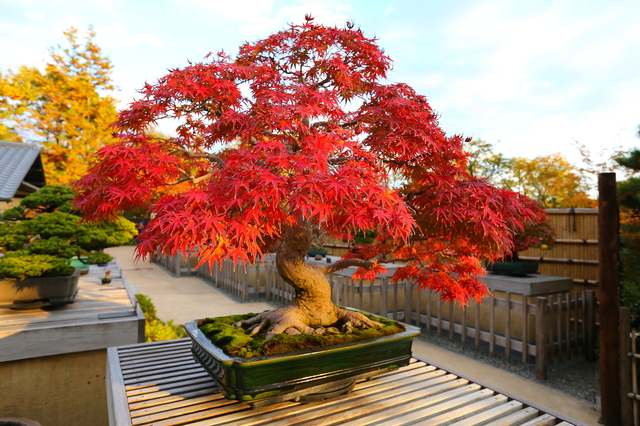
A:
x,y
516,418
495,413
157,391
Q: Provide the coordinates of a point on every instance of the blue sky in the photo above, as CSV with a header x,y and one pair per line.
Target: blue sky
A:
x,y
529,76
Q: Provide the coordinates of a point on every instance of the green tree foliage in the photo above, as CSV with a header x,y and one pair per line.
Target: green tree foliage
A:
x,y
63,108
551,180
485,162
40,238
629,199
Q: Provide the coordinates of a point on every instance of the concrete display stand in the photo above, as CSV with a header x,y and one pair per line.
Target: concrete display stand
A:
x,y
53,361
534,285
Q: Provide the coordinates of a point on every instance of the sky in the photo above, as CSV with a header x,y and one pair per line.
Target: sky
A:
x,y
531,77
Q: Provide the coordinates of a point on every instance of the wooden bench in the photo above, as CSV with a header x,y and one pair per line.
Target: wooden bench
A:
x,y
160,384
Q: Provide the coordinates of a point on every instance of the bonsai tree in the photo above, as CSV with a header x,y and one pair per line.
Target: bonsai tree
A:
x,y
536,233
42,236
295,136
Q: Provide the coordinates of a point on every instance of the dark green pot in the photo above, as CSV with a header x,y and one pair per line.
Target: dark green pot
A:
x,y
321,372
316,252
35,292
518,268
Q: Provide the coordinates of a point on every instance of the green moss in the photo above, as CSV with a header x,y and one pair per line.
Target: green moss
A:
x,y
235,342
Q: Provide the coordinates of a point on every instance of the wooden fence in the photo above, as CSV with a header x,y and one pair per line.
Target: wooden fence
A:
x,y
545,329
575,252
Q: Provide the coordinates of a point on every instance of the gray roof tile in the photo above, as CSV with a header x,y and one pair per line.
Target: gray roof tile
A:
x,y
15,161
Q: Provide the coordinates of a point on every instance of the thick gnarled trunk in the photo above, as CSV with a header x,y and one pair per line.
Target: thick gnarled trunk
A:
x,y
311,311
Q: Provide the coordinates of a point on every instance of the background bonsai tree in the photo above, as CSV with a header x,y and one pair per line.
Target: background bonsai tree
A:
x,y
296,136
42,235
536,233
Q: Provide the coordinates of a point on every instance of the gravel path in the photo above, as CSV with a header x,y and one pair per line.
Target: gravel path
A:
x,y
575,377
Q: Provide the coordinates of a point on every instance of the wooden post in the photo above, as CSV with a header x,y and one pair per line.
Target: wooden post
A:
x,y
626,406
525,328
408,303
507,326
609,299
541,338
589,324
384,294
492,328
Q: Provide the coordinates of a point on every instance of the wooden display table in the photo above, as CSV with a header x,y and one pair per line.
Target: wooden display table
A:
x,y
160,384
52,361
101,316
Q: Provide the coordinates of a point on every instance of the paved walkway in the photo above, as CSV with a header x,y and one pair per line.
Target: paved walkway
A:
x,y
188,298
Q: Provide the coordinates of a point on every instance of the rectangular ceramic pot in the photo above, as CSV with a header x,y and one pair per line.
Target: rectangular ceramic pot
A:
x,y
35,292
287,376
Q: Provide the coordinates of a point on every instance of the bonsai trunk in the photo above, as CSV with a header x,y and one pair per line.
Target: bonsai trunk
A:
x,y
311,311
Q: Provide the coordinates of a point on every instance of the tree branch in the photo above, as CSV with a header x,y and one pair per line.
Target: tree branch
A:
x,y
338,266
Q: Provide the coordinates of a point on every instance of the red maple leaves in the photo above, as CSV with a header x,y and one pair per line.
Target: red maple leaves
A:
x,y
299,128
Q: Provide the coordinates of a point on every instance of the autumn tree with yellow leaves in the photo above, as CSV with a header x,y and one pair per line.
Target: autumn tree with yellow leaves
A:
x,y
65,108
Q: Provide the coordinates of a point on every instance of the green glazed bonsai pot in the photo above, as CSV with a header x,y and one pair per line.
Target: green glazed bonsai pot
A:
x,y
312,374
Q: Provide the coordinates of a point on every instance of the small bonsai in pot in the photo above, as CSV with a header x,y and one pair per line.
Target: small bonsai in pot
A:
x,y
99,258
107,277
42,234
536,233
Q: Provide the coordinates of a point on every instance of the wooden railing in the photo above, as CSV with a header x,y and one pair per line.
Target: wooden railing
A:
x,y
544,329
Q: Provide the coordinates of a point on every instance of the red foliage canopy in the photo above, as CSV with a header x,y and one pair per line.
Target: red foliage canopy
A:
x,y
300,128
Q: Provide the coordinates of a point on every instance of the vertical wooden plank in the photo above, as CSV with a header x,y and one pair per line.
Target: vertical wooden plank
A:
x,y
559,328
567,324
589,324
267,283
371,292
463,338
634,375
384,290
245,283
525,328
477,324
395,301
428,310
418,296
361,295
576,321
541,338
338,290
550,329
439,325
408,302
608,251
450,320
492,320
625,367
507,326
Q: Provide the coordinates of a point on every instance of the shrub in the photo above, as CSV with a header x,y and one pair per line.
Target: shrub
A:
x,y
155,329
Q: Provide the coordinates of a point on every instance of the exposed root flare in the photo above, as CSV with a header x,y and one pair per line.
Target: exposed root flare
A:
x,y
290,321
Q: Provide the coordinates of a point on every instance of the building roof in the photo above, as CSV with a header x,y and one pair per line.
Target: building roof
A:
x,y
21,169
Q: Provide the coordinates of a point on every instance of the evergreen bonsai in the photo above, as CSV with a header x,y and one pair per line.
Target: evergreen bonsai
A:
x,y
294,137
42,234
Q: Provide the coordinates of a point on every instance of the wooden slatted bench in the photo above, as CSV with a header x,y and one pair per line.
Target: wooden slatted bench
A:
x,y
160,384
